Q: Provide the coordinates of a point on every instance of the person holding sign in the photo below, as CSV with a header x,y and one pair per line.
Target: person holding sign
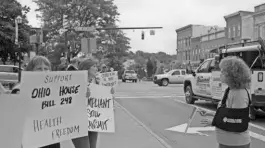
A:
x,y
232,117
89,141
37,63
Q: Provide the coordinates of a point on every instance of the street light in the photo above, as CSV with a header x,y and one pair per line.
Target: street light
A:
x,y
18,20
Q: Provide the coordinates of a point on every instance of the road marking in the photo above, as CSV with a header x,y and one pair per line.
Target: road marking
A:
x,y
139,97
253,134
162,141
257,136
191,130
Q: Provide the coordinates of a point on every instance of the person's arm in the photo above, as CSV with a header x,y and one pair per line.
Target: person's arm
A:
x,y
205,113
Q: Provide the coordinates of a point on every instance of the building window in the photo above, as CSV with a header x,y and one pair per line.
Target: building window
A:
x,y
229,32
238,30
234,31
261,32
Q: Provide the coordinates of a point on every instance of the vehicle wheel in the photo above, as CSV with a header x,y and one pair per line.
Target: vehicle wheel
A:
x,y
164,82
135,81
123,80
189,95
159,84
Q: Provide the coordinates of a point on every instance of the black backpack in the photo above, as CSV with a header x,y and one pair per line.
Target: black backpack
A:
x,y
231,119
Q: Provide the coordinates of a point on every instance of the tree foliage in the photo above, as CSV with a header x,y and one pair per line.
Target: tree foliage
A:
x,y
85,13
9,10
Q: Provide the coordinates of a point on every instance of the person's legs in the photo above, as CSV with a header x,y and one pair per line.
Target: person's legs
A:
x,y
82,142
93,138
56,145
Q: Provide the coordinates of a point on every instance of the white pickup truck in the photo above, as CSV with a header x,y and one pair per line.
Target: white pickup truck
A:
x,y
204,83
175,76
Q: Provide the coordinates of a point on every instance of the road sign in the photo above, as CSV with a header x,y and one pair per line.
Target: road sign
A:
x,y
88,45
84,28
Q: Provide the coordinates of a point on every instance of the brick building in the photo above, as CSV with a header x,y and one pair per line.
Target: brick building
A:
x,y
214,39
195,49
253,25
184,35
259,21
233,31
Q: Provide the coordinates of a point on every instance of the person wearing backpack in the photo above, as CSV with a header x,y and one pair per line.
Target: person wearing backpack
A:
x,y
232,116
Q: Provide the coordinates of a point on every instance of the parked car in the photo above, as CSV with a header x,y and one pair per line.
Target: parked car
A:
x,y
8,75
130,75
175,76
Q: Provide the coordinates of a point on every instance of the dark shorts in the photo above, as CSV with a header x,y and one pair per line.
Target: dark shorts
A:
x,y
241,146
56,145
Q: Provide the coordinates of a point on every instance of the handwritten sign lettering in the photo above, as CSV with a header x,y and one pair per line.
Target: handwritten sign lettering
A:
x,y
109,79
13,111
58,109
100,109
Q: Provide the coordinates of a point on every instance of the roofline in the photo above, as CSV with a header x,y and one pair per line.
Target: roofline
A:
x,y
223,30
182,28
235,13
259,5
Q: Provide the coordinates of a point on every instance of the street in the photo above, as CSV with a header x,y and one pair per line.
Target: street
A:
x,y
160,108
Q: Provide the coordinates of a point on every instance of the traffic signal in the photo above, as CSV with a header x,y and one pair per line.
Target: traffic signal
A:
x,y
152,32
142,35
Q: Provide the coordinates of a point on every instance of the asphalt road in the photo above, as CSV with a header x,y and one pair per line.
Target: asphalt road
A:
x,y
160,108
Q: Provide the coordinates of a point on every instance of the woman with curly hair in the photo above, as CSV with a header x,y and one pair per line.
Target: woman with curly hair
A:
x,y
237,75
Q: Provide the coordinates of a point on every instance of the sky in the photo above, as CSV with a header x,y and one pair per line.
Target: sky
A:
x,y
169,14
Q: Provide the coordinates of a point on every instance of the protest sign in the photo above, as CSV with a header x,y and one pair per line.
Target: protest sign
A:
x,y
196,118
13,112
100,109
109,79
58,109
194,124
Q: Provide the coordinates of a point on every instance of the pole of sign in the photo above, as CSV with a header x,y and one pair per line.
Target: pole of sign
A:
x,y
18,20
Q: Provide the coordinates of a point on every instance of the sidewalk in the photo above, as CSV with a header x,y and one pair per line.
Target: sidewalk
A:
x,y
128,134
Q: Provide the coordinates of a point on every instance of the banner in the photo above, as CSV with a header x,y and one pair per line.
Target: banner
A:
x,y
109,79
57,106
100,109
13,112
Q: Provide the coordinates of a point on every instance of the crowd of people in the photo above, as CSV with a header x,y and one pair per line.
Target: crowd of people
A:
x,y
41,63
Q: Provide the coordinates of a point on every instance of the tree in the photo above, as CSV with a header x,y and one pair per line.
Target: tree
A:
x,y
160,70
85,13
116,64
116,44
149,67
9,10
